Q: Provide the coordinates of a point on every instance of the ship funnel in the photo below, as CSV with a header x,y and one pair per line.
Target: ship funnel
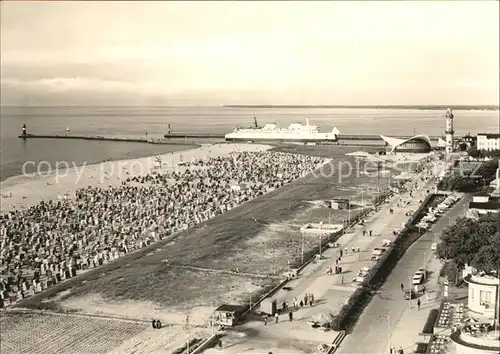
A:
x,y
335,131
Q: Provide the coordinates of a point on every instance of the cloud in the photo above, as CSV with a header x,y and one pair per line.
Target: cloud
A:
x,y
232,51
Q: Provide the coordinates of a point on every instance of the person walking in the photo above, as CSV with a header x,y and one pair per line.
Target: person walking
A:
x,y
265,320
276,317
301,304
290,316
402,287
418,304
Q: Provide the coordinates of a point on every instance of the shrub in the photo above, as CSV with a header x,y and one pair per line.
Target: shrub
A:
x,y
421,348
338,321
431,321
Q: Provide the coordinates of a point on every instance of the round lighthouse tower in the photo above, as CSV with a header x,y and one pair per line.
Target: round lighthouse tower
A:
x,y
449,131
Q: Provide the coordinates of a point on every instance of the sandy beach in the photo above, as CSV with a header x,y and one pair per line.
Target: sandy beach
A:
x,y
145,287
27,190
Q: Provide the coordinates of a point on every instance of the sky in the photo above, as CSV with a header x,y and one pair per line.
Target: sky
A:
x,y
215,53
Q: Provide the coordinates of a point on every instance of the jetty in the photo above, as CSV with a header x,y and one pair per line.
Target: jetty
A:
x,y
149,140
181,138
340,137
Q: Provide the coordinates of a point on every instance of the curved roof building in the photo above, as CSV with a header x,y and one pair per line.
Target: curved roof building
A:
x,y
417,143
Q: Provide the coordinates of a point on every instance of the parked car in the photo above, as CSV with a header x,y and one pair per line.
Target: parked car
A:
x,y
418,277
409,293
378,251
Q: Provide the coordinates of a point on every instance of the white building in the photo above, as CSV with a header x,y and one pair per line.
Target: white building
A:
x,y
483,294
488,142
320,229
484,204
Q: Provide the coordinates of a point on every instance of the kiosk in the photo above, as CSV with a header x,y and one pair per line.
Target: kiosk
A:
x,y
227,315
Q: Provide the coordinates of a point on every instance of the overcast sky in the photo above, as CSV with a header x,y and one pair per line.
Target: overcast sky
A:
x,y
250,52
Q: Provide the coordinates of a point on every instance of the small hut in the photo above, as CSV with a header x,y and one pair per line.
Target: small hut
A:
x,y
227,315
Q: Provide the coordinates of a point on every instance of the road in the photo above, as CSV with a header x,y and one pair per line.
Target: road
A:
x,y
389,309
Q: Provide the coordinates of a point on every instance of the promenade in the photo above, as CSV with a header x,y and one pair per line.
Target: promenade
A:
x,y
330,291
399,324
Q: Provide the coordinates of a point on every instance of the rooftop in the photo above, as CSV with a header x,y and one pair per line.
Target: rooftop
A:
x,y
490,135
482,279
230,308
321,228
481,336
489,205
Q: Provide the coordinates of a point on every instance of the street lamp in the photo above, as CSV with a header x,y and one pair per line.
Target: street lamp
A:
x,y
349,211
425,265
187,334
409,292
389,337
302,251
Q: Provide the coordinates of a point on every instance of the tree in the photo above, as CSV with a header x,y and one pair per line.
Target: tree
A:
x,y
455,182
487,258
487,170
492,153
475,153
472,242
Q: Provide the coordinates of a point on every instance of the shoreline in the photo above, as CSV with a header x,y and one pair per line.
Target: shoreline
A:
x,y
10,180
186,146
27,190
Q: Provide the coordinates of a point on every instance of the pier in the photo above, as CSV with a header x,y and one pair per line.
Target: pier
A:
x,y
105,138
340,137
175,138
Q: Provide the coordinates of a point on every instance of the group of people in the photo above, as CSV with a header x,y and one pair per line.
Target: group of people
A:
x,y
55,240
288,308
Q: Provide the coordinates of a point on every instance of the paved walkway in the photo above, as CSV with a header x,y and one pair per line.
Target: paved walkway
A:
x,y
330,291
400,324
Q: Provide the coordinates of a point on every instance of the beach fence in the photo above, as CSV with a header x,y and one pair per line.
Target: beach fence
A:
x,y
209,343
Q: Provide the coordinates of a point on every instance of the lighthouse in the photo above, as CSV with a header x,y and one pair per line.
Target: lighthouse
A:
x,y
449,131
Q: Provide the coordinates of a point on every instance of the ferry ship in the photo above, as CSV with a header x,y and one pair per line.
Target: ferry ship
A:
x,y
294,133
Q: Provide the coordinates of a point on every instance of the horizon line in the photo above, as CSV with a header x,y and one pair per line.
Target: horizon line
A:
x,y
389,106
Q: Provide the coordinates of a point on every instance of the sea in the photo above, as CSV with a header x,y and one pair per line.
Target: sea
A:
x,y
136,121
